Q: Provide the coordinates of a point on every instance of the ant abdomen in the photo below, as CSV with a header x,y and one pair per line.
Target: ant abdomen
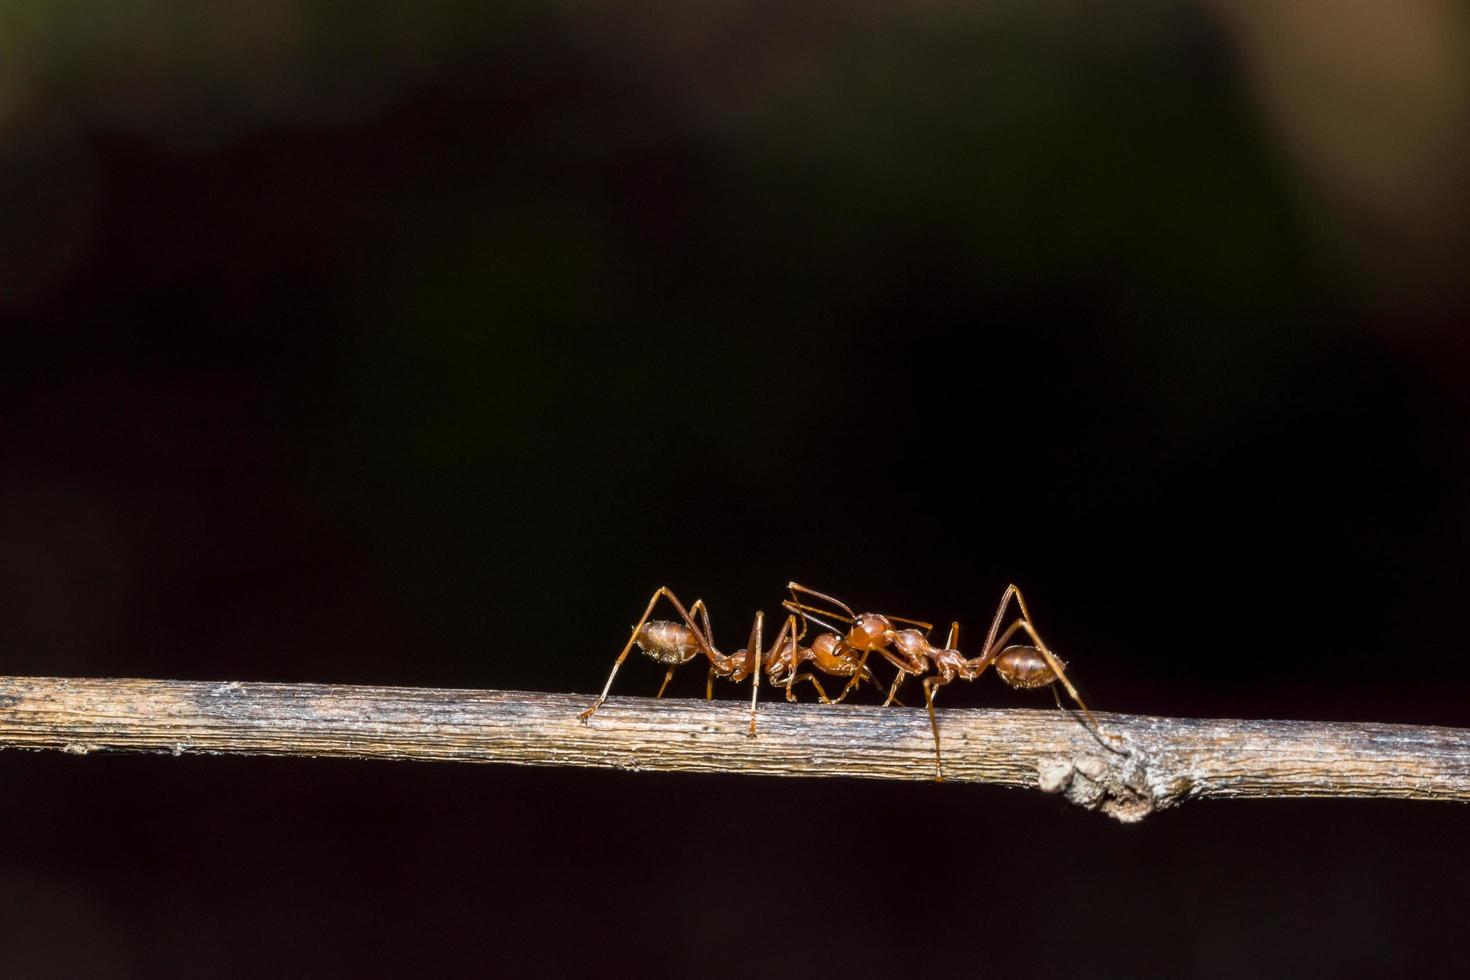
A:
x,y
1024,667
668,643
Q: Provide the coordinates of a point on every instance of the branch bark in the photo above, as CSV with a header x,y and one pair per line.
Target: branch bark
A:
x,y
1162,761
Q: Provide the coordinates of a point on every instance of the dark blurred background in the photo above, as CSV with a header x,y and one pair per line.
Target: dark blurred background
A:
x,y
417,344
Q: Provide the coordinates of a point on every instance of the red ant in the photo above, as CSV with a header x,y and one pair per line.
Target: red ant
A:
x,y
675,644
1022,667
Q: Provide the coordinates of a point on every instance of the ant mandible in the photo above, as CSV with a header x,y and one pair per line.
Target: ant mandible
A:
x,y
1024,667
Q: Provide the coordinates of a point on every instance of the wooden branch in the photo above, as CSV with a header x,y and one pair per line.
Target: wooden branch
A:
x,y
1162,762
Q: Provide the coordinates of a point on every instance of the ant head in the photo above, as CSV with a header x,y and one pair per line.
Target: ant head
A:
x,y
868,632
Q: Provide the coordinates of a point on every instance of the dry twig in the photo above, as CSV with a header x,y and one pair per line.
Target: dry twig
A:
x,y
1166,760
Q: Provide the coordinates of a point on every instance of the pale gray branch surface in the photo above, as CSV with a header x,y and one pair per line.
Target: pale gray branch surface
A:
x,y
1164,760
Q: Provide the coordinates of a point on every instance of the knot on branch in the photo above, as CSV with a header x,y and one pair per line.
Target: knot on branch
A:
x,y
1126,785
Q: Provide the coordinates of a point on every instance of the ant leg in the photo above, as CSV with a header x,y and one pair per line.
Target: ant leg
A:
x,y
857,677
792,677
661,591
821,694
953,638
756,658
989,655
1054,695
865,674
698,607
931,684
1061,672
904,670
754,652
709,686
1000,615
856,681
893,691
1025,622
788,634
703,613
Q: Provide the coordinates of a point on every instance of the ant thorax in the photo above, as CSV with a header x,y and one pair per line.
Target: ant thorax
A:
x,y
912,646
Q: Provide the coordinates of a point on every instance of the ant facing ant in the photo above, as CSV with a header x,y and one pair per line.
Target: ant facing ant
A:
x,y
676,644
1023,667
